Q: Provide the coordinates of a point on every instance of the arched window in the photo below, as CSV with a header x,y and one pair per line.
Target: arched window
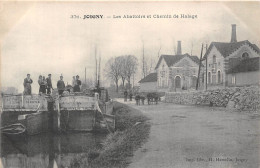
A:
x,y
214,59
163,72
178,82
245,55
193,81
209,77
214,64
219,77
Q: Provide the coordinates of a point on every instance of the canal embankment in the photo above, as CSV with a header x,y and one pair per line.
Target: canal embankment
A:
x,y
132,130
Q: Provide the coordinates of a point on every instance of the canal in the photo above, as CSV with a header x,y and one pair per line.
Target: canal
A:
x,y
48,150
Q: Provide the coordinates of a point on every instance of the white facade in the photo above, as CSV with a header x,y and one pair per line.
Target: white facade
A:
x,y
181,75
215,68
163,75
217,65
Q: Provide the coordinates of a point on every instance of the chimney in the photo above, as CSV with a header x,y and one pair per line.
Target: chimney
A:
x,y
233,34
179,48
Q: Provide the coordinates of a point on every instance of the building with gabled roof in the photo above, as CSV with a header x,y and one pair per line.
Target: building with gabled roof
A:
x,y
152,77
243,71
173,73
177,72
149,83
220,58
226,49
172,59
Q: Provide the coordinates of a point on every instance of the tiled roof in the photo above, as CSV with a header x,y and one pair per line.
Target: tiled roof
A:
x,y
227,48
152,77
172,59
243,65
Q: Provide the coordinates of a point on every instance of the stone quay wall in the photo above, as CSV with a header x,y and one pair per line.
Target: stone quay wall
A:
x,y
240,98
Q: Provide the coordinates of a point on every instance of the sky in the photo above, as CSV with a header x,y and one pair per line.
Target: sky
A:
x,y
41,38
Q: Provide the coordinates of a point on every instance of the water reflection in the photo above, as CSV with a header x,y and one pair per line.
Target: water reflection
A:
x,y
47,150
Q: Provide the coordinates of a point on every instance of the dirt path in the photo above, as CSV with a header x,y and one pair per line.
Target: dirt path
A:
x,y
187,136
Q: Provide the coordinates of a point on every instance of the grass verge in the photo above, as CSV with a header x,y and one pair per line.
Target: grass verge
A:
x,y
132,131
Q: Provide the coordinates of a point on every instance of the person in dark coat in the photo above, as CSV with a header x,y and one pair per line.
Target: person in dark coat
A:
x,y
142,97
73,83
61,85
40,84
77,84
43,85
137,99
27,85
125,96
49,84
130,96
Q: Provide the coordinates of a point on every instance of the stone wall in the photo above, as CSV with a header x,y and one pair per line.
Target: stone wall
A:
x,y
240,98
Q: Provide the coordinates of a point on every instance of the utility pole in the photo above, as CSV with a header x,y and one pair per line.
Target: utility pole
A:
x,y
99,71
206,68
85,77
159,49
197,85
133,80
96,64
143,60
191,48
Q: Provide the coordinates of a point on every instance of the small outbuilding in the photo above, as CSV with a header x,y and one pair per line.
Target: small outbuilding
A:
x,y
149,83
243,71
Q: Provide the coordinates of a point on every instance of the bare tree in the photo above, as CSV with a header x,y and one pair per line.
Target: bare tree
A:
x,y
144,64
160,48
151,66
145,67
191,47
88,83
112,70
131,67
192,42
123,72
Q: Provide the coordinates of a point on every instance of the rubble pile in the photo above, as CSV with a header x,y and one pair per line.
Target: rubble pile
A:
x,y
246,99
240,98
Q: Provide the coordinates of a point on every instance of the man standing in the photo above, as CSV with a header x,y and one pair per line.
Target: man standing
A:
x,y
77,84
49,84
61,85
125,95
27,85
73,83
130,96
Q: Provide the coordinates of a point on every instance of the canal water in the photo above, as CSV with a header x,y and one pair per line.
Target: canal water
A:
x,y
48,150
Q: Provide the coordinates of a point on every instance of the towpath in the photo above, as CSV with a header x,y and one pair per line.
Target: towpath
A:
x,y
197,137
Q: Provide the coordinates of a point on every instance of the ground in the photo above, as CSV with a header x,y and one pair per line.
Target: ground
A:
x,y
191,136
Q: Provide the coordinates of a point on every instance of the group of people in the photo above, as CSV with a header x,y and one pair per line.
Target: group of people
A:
x,y
46,84
76,83
139,98
126,94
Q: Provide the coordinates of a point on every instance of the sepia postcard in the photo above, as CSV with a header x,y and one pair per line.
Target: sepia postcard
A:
x,y
138,84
